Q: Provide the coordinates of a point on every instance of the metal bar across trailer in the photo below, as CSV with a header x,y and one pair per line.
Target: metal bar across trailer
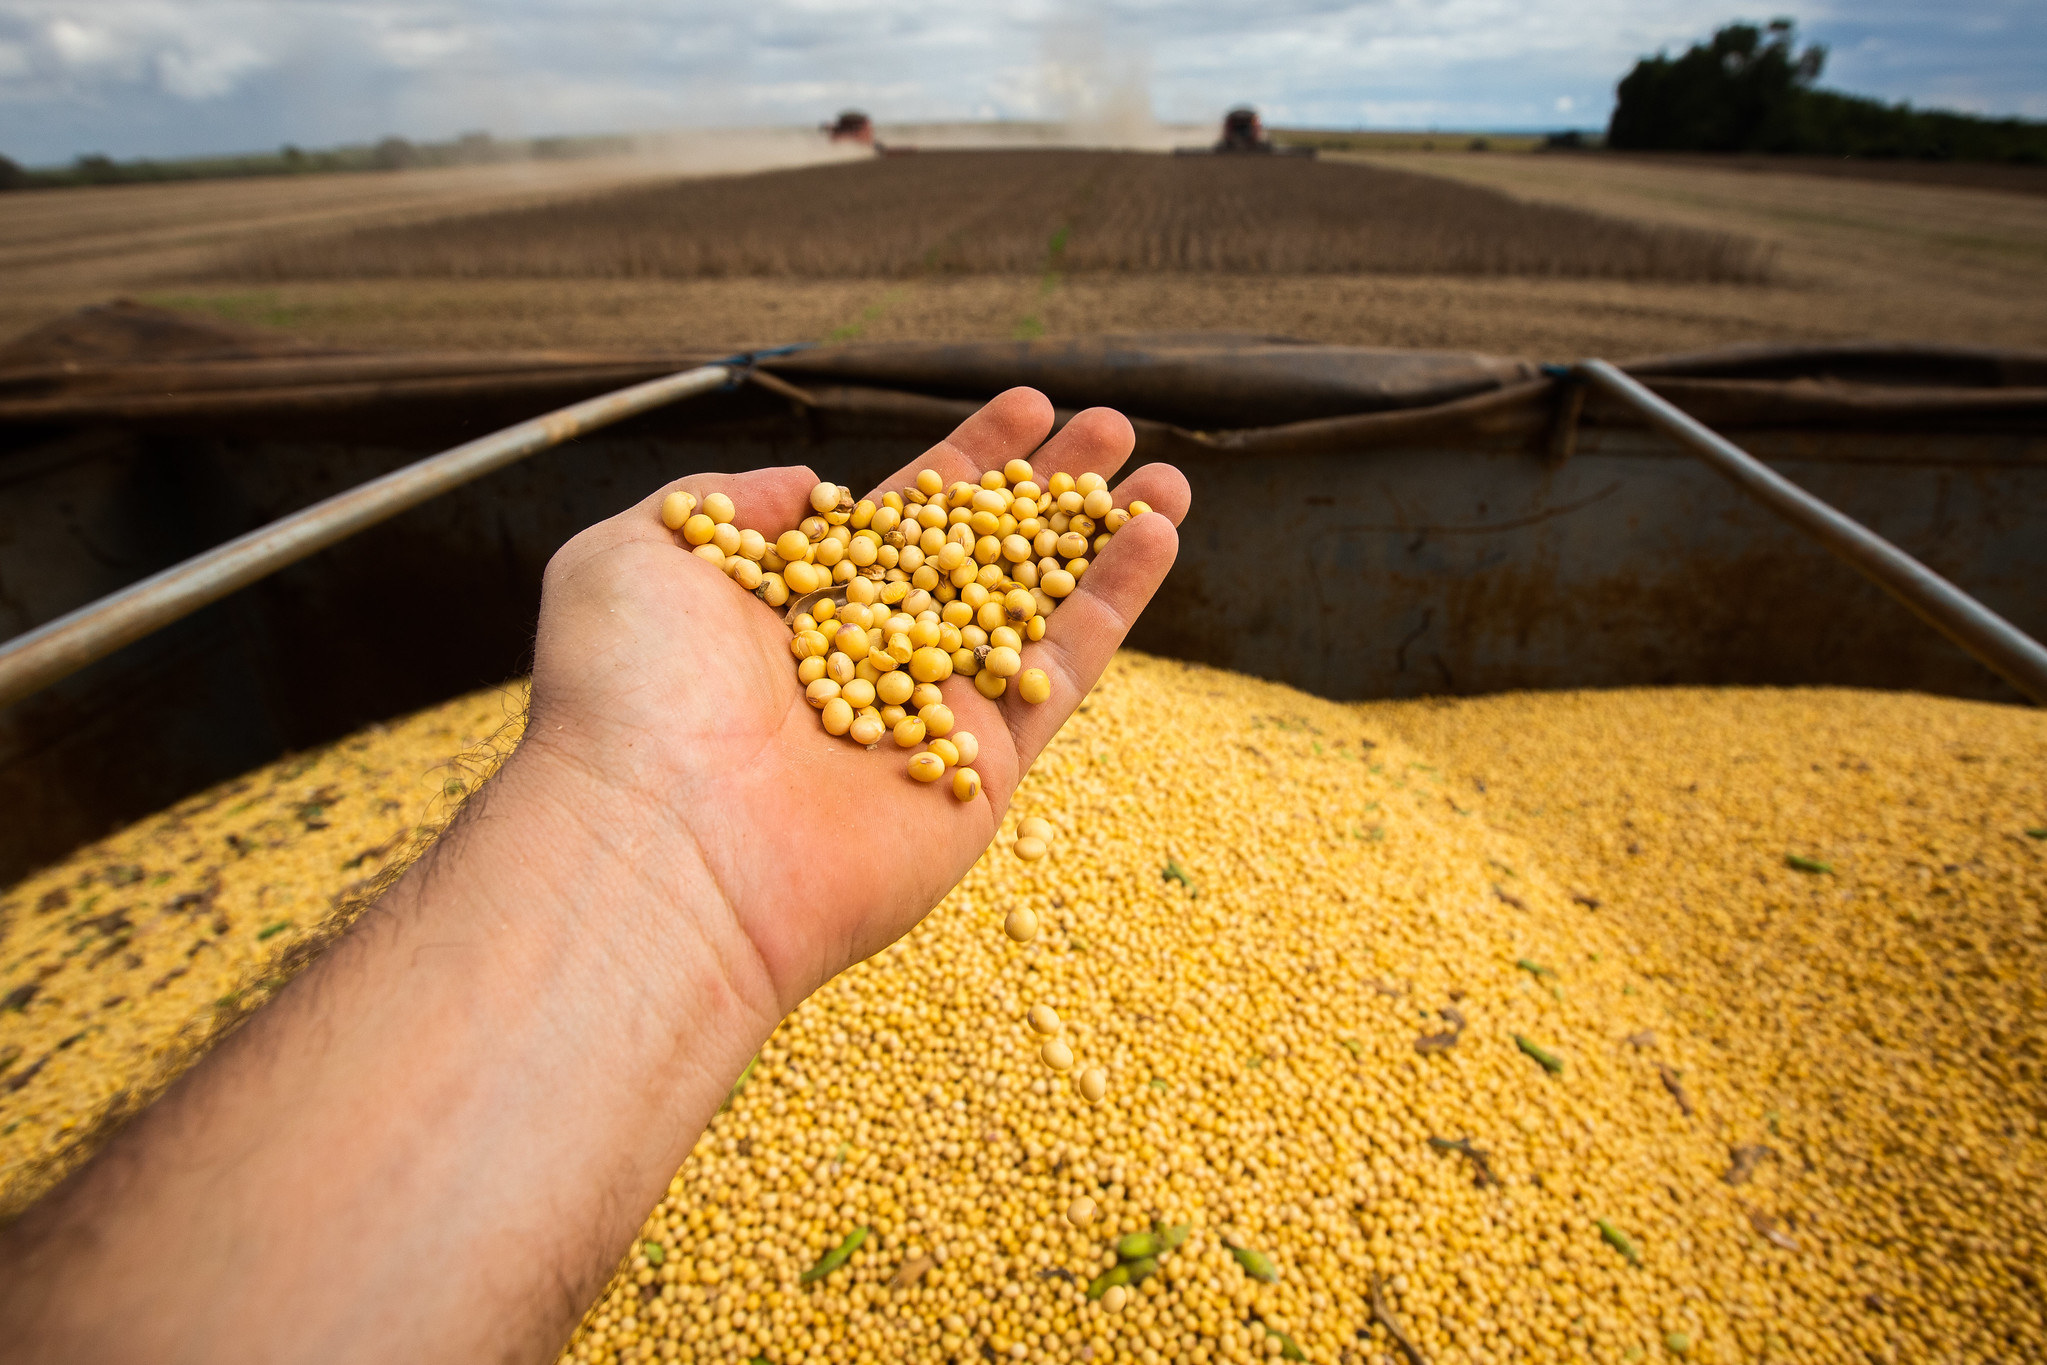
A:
x,y
59,648
1995,642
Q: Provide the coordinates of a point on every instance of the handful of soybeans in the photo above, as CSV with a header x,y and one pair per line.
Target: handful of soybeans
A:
x,y
892,598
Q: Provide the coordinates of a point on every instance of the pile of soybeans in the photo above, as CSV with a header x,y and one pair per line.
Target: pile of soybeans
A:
x,y
1619,1026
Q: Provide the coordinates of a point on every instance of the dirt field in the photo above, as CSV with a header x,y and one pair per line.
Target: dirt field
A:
x,y
1010,212
1852,259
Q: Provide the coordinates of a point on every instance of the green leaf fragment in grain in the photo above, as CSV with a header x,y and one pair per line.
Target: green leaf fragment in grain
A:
x,y
1288,1349
836,1257
1132,1246
1550,1061
740,1084
1801,864
654,1252
1256,1264
1619,1241
1107,1280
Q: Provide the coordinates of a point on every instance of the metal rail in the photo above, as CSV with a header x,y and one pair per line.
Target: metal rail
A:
x,y
55,650
1993,641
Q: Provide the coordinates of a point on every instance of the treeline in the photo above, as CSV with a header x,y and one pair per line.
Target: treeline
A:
x,y
1749,91
391,154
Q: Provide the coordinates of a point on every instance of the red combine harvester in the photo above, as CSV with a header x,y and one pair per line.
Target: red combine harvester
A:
x,y
853,126
1244,133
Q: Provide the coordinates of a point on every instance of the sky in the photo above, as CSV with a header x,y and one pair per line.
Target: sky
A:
x,y
161,78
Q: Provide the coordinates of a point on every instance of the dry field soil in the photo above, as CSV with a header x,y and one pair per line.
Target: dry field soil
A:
x,y
1847,259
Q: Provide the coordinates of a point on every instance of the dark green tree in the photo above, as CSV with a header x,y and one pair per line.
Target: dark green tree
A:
x,y
1742,92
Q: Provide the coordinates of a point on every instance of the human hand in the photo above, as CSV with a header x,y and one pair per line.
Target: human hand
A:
x,y
671,696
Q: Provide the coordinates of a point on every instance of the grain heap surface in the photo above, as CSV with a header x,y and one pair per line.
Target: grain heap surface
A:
x,y
1377,1062
119,963
1879,1025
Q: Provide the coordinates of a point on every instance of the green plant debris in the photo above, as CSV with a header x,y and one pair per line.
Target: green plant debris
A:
x,y
1619,1241
836,1257
732,1097
1135,1246
1173,872
654,1252
1799,863
1352,1046
272,930
1533,968
1256,1264
1550,1061
1288,1350
1107,1280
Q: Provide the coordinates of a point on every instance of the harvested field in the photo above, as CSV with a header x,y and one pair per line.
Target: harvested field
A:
x,y
1854,258
1018,212
1973,175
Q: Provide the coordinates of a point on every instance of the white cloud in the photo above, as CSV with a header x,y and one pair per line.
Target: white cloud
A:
x,y
414,48
80,44
162,77
207,74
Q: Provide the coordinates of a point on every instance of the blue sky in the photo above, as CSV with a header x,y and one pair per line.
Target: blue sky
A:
x,y
179,77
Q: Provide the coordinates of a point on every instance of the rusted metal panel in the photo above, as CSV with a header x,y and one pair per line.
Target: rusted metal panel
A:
x,y
1415,570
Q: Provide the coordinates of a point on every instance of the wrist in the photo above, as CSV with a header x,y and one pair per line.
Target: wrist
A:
x,y
618,910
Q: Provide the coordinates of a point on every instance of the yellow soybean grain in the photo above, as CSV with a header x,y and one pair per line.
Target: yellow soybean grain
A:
x,y
124,960
1356,883
1344,894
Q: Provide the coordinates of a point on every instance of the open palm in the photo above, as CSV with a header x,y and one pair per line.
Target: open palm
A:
x,y
675,691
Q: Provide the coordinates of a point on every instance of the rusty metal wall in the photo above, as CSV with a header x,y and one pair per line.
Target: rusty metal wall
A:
x,y
1399,572
1385,572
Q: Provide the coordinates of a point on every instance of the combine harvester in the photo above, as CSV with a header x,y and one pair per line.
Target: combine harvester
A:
x,y
230,544
1244,134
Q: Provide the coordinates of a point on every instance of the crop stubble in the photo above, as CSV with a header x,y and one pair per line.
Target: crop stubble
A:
x,y
1022,212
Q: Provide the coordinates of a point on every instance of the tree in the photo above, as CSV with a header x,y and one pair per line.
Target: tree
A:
x,y
1747,91
1742,92
393,154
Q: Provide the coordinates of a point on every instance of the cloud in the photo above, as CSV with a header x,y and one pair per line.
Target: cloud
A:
x,y
413,48
171,77
208,74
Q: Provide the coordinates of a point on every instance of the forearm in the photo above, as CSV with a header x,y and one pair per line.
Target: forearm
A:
x,y
476,1094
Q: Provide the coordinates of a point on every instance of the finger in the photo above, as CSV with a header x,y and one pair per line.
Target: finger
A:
x,y
1086,629
1097,440
1008,427
770,501
1159,486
